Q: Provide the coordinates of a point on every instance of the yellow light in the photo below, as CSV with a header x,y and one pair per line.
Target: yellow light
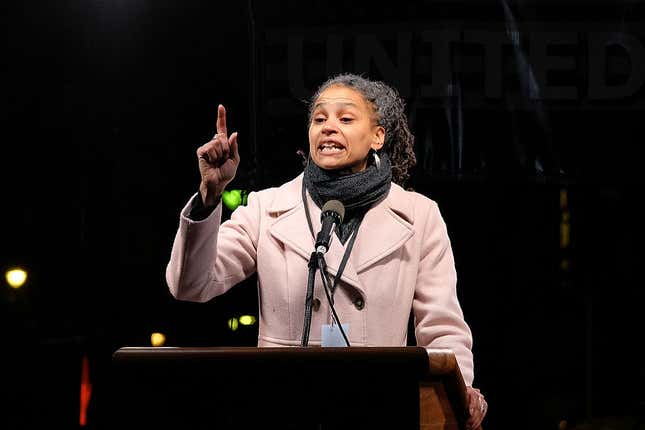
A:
x,y
157,339
565,235
232,324
564,198
16,278
247,320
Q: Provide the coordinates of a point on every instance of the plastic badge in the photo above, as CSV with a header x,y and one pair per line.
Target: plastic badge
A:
x,y
331,335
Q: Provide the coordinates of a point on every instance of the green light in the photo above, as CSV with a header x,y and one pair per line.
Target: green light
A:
x,y
232,198
233,324
247,320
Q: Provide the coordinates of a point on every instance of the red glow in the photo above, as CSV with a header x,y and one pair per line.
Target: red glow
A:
x,y
86,390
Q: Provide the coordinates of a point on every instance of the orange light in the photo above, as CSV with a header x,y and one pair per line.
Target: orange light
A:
x,y
86,391
157,339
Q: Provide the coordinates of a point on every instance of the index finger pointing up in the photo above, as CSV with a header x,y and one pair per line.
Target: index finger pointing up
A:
x,y
221,121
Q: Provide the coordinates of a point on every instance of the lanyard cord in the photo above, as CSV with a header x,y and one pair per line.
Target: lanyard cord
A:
x,y
343,262
330,297
304,202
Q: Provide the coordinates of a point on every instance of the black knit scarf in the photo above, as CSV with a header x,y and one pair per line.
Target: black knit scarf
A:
x,y
356,191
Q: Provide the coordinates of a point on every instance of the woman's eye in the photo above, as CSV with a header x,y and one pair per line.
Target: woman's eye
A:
x,y
319,120
346,119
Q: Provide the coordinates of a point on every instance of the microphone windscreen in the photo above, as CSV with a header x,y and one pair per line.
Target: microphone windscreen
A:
x,y
334,206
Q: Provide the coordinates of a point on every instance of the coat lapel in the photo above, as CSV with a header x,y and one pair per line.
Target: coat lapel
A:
x,y
385,229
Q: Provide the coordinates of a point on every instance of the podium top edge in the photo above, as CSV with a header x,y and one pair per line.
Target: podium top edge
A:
x,y
439,360
171,351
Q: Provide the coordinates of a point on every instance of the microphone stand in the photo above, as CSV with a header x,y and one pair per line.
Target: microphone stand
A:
x,y
317,262
309,298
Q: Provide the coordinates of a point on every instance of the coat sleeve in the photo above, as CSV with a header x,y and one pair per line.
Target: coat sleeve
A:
x,y
207,259
439,320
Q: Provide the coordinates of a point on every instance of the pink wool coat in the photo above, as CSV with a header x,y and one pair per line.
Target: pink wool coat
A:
x,y
401,260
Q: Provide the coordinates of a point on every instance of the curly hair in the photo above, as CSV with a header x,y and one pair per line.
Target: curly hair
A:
x,y
390,114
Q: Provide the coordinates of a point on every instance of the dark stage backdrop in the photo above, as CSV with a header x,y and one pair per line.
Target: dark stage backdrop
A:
x,y
528,121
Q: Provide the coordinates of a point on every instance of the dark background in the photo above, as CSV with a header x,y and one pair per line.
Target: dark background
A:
x,y
106,103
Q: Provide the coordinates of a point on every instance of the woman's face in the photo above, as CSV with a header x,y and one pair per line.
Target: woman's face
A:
x,y
343,129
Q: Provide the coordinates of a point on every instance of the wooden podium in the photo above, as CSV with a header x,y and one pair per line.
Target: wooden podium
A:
x,y
286,388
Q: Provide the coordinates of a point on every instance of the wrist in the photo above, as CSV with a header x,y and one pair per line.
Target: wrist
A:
x,y
210,196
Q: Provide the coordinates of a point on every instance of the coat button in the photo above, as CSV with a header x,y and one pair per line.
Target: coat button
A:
x,y
359,303
316,304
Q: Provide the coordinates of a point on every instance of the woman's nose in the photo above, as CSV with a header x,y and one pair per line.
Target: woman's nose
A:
x,y
328,128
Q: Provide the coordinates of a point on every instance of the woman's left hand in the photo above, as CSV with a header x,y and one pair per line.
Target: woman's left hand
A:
x,y
477,408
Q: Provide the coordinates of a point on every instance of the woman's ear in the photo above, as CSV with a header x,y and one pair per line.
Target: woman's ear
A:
x,y
379,138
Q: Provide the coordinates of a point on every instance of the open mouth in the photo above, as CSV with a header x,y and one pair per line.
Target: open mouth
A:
x,y
330,148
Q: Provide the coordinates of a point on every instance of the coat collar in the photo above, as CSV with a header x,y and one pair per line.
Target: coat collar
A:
x,y
385,228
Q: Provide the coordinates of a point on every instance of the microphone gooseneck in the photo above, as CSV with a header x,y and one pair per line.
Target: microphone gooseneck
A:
x,y
332,215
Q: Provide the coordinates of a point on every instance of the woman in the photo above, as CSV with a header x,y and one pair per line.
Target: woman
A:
x,y
360,152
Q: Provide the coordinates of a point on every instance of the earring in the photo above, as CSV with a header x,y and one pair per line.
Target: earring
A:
x,y
305,157
377,160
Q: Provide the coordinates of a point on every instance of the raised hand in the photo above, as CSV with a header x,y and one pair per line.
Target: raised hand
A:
x,y
218,161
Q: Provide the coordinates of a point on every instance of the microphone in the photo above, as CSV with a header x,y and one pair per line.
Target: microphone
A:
x,y
332,214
